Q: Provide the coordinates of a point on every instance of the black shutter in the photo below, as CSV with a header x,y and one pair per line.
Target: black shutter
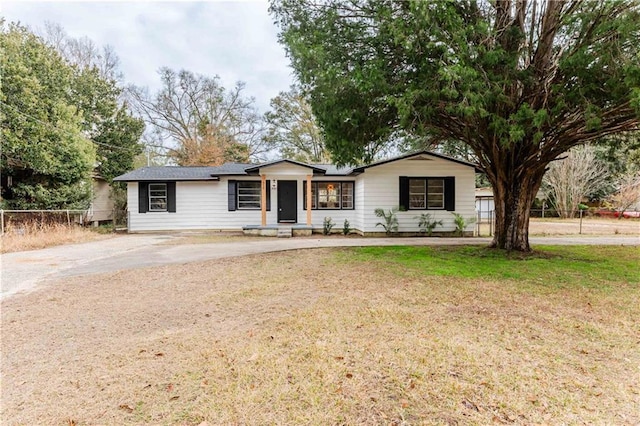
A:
x,y
268,190
143,197
232,195
404,193
450,193
171,197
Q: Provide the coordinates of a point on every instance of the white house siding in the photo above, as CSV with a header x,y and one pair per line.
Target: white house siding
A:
x,y
381,186
199,205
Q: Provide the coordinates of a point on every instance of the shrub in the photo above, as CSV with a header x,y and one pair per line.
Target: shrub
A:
x,y
426,224
346,227
461,223
390,223
327,225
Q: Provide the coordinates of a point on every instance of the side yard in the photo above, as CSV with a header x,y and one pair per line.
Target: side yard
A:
x,y
394,335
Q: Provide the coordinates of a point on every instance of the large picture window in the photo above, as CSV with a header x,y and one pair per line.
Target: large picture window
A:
x,y
249,195
330,195
158,197
427,193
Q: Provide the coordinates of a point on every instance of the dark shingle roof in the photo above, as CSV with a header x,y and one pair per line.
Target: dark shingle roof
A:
x,y
175,173
333,170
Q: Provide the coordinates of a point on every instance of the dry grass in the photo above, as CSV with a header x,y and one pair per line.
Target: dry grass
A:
x,y
35,236
311,337
590,226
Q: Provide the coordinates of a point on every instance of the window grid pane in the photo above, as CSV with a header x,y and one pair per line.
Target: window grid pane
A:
x,y
347,195
417,194
328,195
249,194
157,197
314,196
435,193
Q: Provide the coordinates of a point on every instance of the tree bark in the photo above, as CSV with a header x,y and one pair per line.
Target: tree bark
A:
x,y
513,197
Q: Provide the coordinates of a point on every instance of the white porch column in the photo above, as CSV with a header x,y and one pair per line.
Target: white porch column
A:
x,y
309,200
263,199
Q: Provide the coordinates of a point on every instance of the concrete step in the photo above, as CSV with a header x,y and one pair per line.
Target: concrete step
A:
x,y
284,232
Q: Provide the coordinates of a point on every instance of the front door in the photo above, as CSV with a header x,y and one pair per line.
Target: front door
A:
x,y
287,201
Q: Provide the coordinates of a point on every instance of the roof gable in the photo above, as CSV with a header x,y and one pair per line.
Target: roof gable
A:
x,y
416,155
257,167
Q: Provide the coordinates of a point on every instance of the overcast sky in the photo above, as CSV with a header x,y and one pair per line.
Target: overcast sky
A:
x,y
236,40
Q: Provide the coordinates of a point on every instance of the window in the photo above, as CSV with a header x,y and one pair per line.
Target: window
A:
x,y
330,195
157,197
246,195
427,193
249,194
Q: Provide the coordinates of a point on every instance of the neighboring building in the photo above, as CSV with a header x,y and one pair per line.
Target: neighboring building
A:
x,y
484,204
263,197
101,208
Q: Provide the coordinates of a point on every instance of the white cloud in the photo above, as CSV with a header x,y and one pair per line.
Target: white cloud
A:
x,y
235,40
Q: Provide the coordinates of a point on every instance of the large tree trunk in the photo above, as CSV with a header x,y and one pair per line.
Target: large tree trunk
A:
x,y
513,197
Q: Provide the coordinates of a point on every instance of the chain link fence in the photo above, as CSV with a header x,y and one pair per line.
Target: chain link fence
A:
x,y
551,221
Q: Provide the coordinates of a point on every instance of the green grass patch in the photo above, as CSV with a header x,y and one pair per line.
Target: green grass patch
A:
x,y
562,266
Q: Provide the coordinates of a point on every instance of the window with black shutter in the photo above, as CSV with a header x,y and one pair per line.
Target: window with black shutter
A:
x,y
427,193
156,197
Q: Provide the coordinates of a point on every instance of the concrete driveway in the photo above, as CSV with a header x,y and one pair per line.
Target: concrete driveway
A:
x,y
23,271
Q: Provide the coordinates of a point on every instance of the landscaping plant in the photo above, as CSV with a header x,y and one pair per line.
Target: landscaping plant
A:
x,y
327,225
346,227
462,223
390,223
426,224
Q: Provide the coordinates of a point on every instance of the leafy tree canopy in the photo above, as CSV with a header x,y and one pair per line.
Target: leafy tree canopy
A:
x,y
107,120
43,146
60,120
520,82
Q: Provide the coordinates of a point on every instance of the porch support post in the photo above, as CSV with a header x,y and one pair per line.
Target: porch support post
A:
x,y
263,199
309,200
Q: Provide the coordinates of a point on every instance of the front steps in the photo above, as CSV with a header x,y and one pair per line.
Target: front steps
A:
x,y
278,230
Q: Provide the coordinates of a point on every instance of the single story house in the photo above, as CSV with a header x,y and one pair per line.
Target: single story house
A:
x,y
287,194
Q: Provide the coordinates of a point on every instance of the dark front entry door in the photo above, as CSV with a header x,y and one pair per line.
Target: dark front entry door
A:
x,y
287,201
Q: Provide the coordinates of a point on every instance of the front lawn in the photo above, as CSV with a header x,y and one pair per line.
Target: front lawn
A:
x,y
394,335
